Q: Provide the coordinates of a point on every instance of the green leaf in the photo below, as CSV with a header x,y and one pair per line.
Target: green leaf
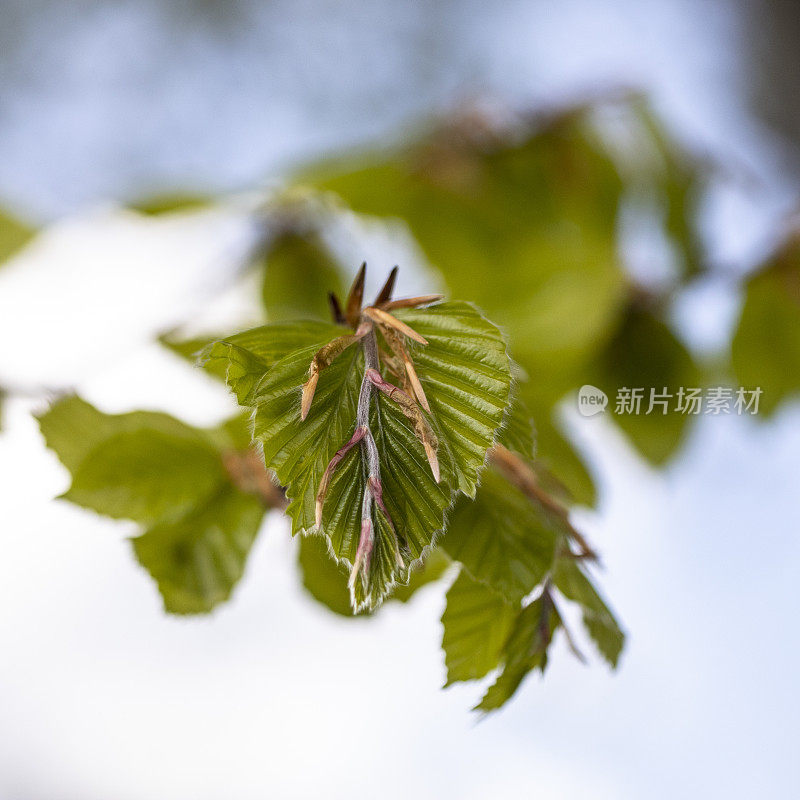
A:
x,y
766,346
465,373
323,578
146,475
13,235
524,651
645,353
300,451
326,581
464,370
299,271
600,623
500,538
244,358
72,428
677,180
197,559
517,433
477,622
433,566
154,469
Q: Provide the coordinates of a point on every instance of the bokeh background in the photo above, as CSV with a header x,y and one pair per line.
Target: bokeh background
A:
x,y
105,103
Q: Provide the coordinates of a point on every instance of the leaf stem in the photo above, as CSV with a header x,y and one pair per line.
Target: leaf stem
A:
x,y
369,345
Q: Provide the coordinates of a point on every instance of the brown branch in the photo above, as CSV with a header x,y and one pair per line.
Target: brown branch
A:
x,y
524,478
248,473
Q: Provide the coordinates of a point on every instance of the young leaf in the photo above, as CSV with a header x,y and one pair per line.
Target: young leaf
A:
x,y
299,270
72,428
245,358
146,475
197,559
326,581
500,538
600,623
517,433
477,622
465,372
644,352
524,651
766,345
174,479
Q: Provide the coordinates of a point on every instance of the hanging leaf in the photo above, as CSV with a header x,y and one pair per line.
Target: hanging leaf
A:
x,y
645,353
675,179
477,622
322,577
500,538
199,558
524,651
72,428
146,475
766,345
602,627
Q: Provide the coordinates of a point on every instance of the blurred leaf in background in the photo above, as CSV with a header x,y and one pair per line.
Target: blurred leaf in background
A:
x,y
13,235
476,624
299,272
645,353
198,497
171,203
765,351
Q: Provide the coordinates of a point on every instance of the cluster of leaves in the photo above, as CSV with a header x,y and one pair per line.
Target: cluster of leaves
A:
x,y
397,436
199,495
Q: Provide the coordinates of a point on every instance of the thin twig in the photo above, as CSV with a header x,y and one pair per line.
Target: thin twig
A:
x,y
522,476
